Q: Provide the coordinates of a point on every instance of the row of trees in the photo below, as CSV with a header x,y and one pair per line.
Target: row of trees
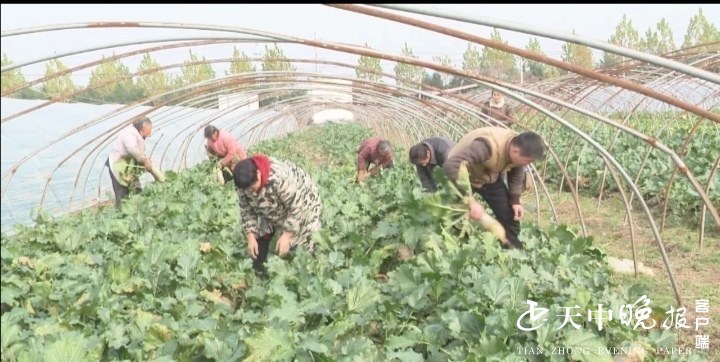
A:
x,y
112,81
700,32
490,62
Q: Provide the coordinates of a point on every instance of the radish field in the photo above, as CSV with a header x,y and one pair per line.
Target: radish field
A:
x,y
394,278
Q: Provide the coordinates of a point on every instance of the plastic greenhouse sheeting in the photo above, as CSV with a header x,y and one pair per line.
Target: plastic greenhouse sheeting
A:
x,y
607,99
60,150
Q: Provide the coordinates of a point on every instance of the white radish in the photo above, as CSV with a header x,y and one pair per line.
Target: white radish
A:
x,y
157,174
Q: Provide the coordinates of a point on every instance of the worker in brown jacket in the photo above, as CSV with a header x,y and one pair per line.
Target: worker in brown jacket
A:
x,y
490,152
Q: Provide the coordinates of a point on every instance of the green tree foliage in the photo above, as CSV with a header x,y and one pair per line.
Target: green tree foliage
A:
x,y
153,82
368,68
625,36
443,60
536,70
497,63
275,60
577,54
472,61
240,63
701,31
433,79
194,72
110,82
438,79
11,79
659,41
407,73
446,61
14,79
59,87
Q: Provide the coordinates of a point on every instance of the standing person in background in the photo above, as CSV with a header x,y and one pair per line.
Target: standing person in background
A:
x,y
426,155
373,151
222,144
127,155
496,108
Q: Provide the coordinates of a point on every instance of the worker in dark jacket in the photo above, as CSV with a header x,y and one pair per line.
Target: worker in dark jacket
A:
x,y
426,155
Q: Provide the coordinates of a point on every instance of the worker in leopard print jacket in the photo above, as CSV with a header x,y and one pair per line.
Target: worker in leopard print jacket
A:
x,y
276,194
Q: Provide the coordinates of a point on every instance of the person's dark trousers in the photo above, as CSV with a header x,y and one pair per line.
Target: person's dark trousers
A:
x,y
121,191
263,248
496,195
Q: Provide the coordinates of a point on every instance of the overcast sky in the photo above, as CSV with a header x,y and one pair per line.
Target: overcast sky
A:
x,y
313,21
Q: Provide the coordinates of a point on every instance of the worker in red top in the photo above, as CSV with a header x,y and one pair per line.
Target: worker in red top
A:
x,y
222,144
373,151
